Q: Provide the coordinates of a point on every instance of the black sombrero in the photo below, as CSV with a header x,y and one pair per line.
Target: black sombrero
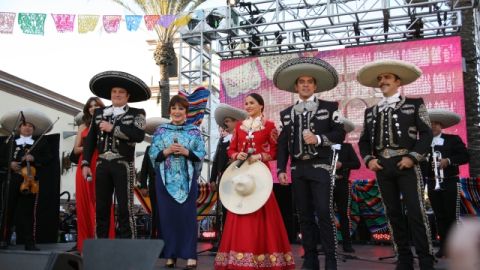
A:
x,y
102,83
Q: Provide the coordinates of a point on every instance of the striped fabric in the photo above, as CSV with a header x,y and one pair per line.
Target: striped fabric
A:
x,y
198,100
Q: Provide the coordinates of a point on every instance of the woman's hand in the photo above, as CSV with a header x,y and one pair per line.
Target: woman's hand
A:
x,y
254,158
242,156
176,149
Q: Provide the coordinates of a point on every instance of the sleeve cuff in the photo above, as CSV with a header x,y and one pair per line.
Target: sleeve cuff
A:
x,y
319,140
85,163
367,159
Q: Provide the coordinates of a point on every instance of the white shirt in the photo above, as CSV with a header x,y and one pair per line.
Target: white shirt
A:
x,y
311,98
24,140
388,102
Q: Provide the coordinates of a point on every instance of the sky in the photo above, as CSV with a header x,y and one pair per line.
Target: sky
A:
x,y
65,62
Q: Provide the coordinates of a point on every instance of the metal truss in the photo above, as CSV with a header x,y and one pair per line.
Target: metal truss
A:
x,y
277,26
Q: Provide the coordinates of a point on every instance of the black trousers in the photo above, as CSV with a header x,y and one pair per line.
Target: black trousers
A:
x,y
20,213
341,196
115,176
313,197
445,203
408,182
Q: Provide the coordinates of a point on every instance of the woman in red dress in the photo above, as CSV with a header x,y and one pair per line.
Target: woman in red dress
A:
x,y
85,190
257,240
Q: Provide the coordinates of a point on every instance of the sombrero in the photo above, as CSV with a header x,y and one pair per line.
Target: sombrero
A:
x,y
78,119
407,72
287,73
102,83
446,118
348,125
38,119
224,110
153,123
244,190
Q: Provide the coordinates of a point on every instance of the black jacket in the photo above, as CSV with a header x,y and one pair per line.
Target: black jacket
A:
x,y
454,149
349,160
220,161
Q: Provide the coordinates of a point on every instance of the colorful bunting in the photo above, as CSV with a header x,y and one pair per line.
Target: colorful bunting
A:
x,y
151,21
111,23
32,23
182,21
64,22
87,23
7,19
166,20
133,22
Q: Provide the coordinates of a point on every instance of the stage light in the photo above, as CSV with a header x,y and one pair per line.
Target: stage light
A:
x,y
232,3
306,37
209,234
381,237
255,41
386,19
214,19
356,30
192,24
417,25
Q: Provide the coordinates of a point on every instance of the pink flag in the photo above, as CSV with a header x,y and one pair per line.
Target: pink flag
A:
x,y
7,19
111,23
151,21
64,22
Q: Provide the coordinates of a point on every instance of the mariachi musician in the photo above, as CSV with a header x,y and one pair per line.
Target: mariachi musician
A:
x,y
29,155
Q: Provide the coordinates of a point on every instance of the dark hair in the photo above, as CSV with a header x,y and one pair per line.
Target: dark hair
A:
x,y
314,80
180,100
87,118
258,98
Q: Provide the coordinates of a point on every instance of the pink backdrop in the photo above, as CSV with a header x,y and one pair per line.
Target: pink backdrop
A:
x,y
441,84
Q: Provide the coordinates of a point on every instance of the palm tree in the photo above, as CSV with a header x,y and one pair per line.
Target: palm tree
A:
x,y
470,80
164,53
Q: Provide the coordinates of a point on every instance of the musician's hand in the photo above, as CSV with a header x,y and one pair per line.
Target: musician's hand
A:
x,y
405,163
254,158
86,172
283,179
15,166
28,158
310,138
213,186
105,126
144,192
374,166
242,156
444,163
338,165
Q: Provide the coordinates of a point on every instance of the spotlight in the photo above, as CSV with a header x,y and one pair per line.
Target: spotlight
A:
x,y
214,19
255,41
306,37
356,30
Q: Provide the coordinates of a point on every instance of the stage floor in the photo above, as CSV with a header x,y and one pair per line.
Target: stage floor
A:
x,y
366,257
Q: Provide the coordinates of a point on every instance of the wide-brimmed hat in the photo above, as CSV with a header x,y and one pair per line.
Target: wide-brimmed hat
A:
x,y
224,110
446,118
102,83
325,75
407,72
348,125
38,119
78,119
244,190
153,123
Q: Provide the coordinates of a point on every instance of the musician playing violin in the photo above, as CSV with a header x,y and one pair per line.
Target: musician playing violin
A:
x,y
22,204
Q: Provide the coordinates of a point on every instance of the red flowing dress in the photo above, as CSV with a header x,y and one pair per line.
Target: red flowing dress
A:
x,y
85,200
257,240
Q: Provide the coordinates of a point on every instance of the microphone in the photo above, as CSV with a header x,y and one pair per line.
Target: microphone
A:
x,y
89,178
175,140
240,162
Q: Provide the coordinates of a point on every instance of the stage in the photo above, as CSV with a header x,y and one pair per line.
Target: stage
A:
x,y
365,257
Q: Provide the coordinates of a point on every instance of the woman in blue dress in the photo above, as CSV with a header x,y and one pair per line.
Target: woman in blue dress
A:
x,y
177,152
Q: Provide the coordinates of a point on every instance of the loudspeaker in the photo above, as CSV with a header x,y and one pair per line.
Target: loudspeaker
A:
x,y
121,254
39,260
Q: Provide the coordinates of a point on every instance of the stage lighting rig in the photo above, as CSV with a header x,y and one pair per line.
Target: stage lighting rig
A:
x,y
252,21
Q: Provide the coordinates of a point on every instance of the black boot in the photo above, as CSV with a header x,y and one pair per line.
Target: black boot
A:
x,y
31,247
426,263
405,262
347,247
330,263
310,262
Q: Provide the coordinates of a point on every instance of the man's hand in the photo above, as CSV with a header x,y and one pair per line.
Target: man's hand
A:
x,y
15,166
374,166
283,179
309,137
105,126
86,172
405,163
444,163
28,158
339,165
213,186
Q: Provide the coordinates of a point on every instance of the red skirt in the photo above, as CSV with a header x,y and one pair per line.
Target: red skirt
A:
x,y
255,241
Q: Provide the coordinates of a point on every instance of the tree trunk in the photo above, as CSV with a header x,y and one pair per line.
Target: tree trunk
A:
x,y
164,92
471,90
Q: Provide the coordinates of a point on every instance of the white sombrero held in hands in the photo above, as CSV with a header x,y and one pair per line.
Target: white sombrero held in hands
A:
x,y
224,110
325,75
102,83
407,72
153,123
446,118
246,189
38,119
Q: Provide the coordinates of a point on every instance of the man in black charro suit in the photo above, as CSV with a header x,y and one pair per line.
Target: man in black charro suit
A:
x,y
450,152
114,131
309,129
396,137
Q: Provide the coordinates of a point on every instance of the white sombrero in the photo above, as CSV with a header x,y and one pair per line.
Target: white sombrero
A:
x,y
407,72
38,119
446,118
224,110
325,75
102,83
246,189
153,123
78,119
348,125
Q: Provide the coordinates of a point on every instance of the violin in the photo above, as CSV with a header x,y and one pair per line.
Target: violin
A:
x,y
29,185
